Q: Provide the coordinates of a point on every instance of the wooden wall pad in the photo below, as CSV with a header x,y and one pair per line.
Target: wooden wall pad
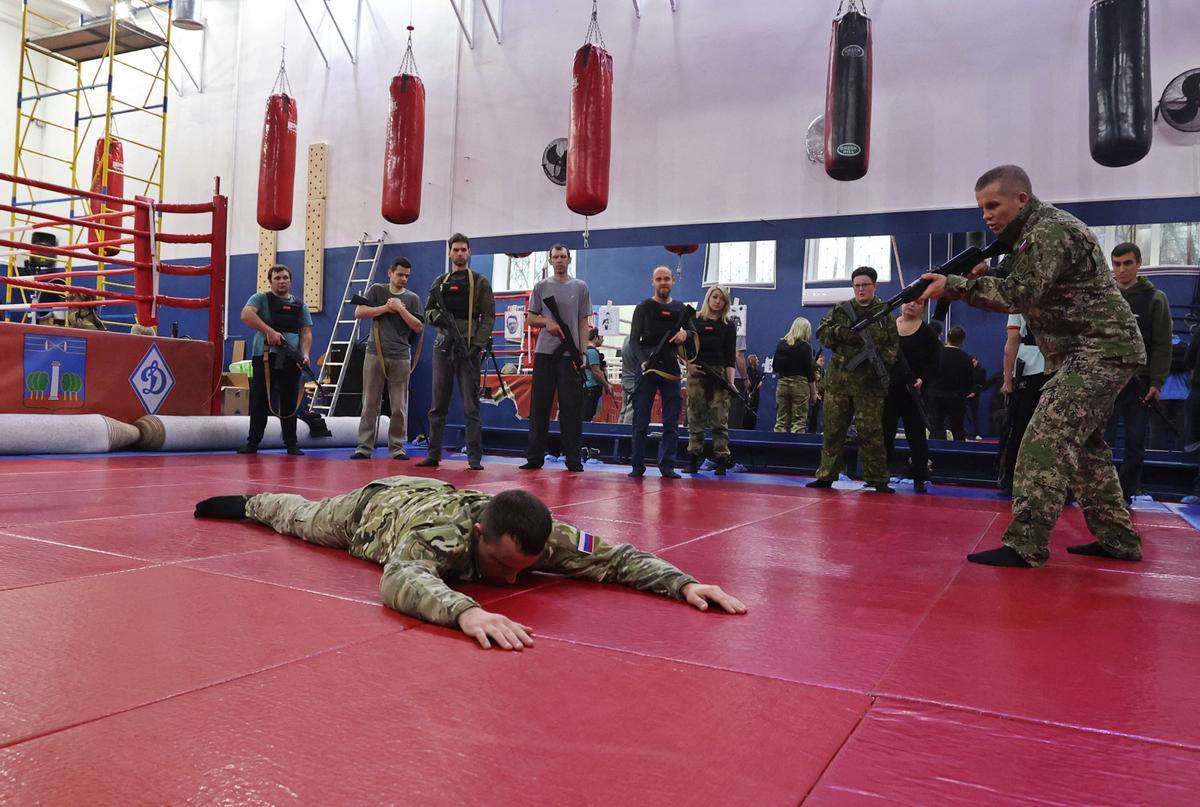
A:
x,y
267,241
314,228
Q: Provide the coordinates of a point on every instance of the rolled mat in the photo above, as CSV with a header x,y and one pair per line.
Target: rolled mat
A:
x,y
64,434
227,432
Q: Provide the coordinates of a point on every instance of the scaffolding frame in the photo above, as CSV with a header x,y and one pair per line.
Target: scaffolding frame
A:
x,y
91,51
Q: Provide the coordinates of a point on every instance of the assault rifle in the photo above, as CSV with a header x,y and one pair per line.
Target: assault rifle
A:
x,y
960,264
282,355
454,341
687,313
719,378
869,352
568,338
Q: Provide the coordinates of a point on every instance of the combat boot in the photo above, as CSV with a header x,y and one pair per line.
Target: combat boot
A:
x,y
693,464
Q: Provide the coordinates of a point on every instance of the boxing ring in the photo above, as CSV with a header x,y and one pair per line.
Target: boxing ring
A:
x,y
123,376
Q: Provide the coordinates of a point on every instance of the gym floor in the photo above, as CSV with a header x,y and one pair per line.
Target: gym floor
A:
x,y
151,658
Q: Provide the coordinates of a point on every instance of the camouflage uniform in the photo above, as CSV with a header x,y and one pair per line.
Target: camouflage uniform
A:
x,y
856,394
420,530
703,413
791,404
1059,279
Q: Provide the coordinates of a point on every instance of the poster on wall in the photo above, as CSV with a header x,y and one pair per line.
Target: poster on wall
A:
x,y
608,320
737,314
514,323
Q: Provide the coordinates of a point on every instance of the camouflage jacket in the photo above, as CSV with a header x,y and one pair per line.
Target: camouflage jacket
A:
x,y
1058,278
834,333
421,531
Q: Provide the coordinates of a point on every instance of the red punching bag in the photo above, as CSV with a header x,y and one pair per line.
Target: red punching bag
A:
x,y
848,97
404,149
277,163
113,185
589,139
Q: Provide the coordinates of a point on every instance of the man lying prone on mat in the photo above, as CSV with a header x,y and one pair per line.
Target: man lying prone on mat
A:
x,y
425,532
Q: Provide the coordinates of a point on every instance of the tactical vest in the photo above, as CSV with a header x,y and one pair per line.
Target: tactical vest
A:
x,y
1141,305
713,333
456,292
662,319
285,314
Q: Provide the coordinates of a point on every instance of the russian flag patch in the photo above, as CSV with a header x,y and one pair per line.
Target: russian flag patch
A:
x,y
587,542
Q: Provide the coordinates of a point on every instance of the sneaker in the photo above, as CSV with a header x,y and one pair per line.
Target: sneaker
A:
x,y
529,466
638,471
294,451
820,483
475,465
427,463
358,455
400,456
248,449
669,473
575,467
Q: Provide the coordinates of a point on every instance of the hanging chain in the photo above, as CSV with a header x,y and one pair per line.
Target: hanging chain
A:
x,y
408,66
855,5
594,29
585,231
281,80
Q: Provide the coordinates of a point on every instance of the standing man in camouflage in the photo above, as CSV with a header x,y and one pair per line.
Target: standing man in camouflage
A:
x,y
857,384
461,300
425,532
1058,279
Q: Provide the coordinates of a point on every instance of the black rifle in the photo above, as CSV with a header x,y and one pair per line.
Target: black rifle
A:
x,y
568,339
910,381
444,320
1142,388
720,380
281,356
960,264
869,350
687,313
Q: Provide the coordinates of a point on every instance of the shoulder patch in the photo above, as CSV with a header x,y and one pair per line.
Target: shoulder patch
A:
x,y
587,542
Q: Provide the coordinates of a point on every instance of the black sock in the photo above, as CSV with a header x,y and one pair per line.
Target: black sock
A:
x,y
231,507
1002,556
1095,549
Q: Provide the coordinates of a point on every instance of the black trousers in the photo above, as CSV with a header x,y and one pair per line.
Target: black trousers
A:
x,y
943,409
591,401
555,374
901,404
285,392
1136,416
1024,400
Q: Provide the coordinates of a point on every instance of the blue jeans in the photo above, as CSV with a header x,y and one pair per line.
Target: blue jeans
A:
x,y
643,402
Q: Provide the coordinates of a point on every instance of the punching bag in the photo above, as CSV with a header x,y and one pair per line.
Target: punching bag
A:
x,y
114,185
404,150
848,98
1120,105
277,163
589,139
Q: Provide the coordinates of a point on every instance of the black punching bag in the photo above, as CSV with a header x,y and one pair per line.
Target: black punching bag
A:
x,y
1121,107
848,98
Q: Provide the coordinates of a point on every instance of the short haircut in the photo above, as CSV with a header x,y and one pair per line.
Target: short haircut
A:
x,y
957,336
277,269
865,271
593,334
457,238
1125,248
520,514
1012,179
563,247
401,261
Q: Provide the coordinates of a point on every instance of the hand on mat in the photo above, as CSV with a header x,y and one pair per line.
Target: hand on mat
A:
x,y
698,596
481,625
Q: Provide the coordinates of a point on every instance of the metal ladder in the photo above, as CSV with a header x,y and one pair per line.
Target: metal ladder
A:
x,y
345,326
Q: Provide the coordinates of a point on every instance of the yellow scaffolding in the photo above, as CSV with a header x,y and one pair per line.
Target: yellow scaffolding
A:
x,y
77,63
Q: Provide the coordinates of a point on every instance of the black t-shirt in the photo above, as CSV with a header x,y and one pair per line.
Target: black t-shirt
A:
x,y
956,376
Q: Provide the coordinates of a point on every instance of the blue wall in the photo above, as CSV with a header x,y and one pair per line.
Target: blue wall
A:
x,y
618,264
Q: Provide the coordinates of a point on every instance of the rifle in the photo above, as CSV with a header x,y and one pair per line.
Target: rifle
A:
x,y
687,313
568,338
1142,388
869,351
284,354
458,349
960,264
721,381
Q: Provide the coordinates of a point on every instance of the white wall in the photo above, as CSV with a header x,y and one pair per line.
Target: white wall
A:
x,y
711,107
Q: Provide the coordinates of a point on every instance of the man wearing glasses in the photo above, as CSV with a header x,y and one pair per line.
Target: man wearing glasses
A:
x,y
856,385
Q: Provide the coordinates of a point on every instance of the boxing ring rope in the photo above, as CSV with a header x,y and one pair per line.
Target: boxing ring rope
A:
x,y
145,265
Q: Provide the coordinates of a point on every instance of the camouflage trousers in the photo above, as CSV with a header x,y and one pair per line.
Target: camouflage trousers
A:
x,y
791,404
707,414
1064,445
325,522
866,410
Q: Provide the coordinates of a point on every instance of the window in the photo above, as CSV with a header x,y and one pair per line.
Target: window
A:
x,y
518,274
831,260
1175,244
740,263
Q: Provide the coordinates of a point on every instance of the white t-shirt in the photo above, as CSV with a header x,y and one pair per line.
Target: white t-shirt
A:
x,y
1029,355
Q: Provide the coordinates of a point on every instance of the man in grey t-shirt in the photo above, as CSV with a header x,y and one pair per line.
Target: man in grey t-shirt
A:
x,y
395,315
554,370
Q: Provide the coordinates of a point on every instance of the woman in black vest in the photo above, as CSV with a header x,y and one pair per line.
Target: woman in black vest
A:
x,y
708,401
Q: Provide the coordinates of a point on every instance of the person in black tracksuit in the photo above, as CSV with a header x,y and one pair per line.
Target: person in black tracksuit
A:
x,y
955,380
918,364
